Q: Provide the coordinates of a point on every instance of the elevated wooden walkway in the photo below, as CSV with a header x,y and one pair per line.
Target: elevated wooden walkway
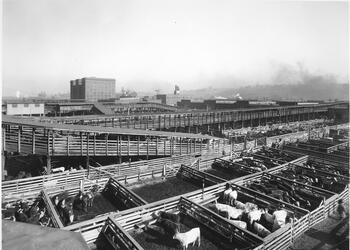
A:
x,y
32,137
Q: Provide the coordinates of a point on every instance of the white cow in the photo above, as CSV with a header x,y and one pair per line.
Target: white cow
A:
x,y
279,219
255,215
58,170
226,194
232,212
260,229
239,223
232,197
250,206
192,236
239,204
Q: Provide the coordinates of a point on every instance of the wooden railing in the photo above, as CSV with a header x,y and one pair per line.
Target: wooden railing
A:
x,y
51,210
328,157
123,193
203,178
118,237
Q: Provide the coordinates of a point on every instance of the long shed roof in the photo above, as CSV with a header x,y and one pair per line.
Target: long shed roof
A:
x,y
98,129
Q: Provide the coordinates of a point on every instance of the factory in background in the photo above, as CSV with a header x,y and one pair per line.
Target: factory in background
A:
x,y
92,89
171,99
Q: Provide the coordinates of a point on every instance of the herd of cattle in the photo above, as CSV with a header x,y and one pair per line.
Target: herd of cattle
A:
x,y
248,216
252,133
66,205
171,225
310,176
261,220
249,162
21,211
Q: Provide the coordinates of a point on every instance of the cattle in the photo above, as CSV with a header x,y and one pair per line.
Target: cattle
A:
x,y
249,206
81,201
226,193
91,195
191,236
268,217
21,216
279,216
66,212
239,223
239,204
254,216
232,197
170,228
58,170
169,216
234,213
231,212
260,229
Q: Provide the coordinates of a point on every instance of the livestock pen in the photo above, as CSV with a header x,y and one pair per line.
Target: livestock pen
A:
x,y
281,238
182,181
111,197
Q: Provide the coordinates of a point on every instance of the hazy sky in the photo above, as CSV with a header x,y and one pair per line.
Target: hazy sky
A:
x,y
153,44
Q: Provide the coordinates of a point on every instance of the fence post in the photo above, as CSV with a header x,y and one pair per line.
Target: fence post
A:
x,y
203,189
81,185
164,170
292,231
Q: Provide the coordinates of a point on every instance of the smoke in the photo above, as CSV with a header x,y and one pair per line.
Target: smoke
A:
x,y
283,73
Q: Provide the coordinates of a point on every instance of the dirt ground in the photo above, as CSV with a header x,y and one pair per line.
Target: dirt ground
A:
x,y
225,174
161,190
330,234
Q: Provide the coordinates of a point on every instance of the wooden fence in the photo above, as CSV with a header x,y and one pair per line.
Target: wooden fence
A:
x,y
123,193
327,157
51,210
118,237
31,185
203,178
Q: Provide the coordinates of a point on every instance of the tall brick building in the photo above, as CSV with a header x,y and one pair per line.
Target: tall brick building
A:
x,y
92,89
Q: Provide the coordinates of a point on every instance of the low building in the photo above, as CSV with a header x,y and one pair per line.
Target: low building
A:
x,y
170,99
24,108
213,104
128,99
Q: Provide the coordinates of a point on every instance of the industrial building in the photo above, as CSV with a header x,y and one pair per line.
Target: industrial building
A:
x,y
92,89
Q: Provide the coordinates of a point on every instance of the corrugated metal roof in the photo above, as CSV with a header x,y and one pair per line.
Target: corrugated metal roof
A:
x,y
98,129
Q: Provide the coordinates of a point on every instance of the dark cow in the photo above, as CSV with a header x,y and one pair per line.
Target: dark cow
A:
x,y
168,216
170,228
83,200
66,212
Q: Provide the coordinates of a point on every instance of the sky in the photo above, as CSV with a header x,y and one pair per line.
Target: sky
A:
x,y
155,44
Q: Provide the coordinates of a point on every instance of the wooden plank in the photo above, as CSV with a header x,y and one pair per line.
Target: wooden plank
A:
x,y
33,140
121,239
52,210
